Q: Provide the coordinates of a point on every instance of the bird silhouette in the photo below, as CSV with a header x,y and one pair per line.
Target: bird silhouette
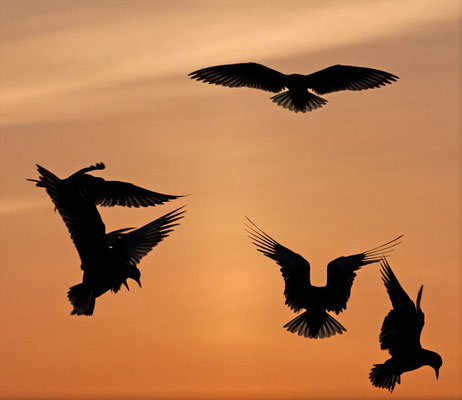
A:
x,y
400,335
124,252
300,294
297,98
76,198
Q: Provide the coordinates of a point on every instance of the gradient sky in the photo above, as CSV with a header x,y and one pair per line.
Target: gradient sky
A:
x,y
86,81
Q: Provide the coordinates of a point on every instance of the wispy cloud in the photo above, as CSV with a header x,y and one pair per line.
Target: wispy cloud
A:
x,y
92,45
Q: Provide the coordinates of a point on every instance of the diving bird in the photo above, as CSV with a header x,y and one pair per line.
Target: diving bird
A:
x,y
400,335
124,252
297,98
300,294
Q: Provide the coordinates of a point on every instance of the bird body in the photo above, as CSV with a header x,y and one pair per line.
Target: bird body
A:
x,y
400,335
300,294
297,98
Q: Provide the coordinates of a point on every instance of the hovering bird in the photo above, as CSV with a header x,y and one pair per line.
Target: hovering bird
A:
x,y
300,294
400,335
124,252
297,98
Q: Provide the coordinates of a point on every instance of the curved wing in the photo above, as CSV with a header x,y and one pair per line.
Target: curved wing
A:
x,y
82,219
115,193
295,269
250,75
403,325
341,274
346,77
133,246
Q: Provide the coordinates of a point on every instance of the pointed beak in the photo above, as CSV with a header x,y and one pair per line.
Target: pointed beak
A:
x,y
138,282
437,372
126,285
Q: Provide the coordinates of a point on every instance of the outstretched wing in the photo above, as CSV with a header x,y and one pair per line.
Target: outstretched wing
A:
x,y
82,219
341,274
115,193
295,269
133,246
346,77
250,75
402,326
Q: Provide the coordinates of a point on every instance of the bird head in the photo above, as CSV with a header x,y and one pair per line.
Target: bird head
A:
x,y
135,274
435,361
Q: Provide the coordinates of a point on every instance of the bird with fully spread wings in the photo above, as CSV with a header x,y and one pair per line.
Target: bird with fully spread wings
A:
x,y
400,335
297,98
300,294
76,198
124,252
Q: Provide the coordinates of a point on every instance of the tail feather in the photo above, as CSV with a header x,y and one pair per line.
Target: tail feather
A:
x,y
314,325
82,299
300,101
382,376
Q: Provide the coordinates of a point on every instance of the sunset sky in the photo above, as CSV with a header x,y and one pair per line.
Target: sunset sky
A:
x,y
89,81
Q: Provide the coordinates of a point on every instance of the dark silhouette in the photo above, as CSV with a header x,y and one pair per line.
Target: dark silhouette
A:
x,y
124,252
103,257
300,294
400,335
297,98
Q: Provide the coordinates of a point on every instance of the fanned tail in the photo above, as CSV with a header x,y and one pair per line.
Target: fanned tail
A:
x,y
82,299
382,376
315,325
298,101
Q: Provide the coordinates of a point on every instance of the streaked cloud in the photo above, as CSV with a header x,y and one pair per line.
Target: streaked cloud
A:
x,y
49,57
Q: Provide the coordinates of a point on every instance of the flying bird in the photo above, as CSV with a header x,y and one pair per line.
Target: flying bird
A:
x,y
297,98
124,252
300,294
75,198
400,335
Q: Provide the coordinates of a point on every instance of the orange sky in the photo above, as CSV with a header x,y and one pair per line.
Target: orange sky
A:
x,y
83,82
